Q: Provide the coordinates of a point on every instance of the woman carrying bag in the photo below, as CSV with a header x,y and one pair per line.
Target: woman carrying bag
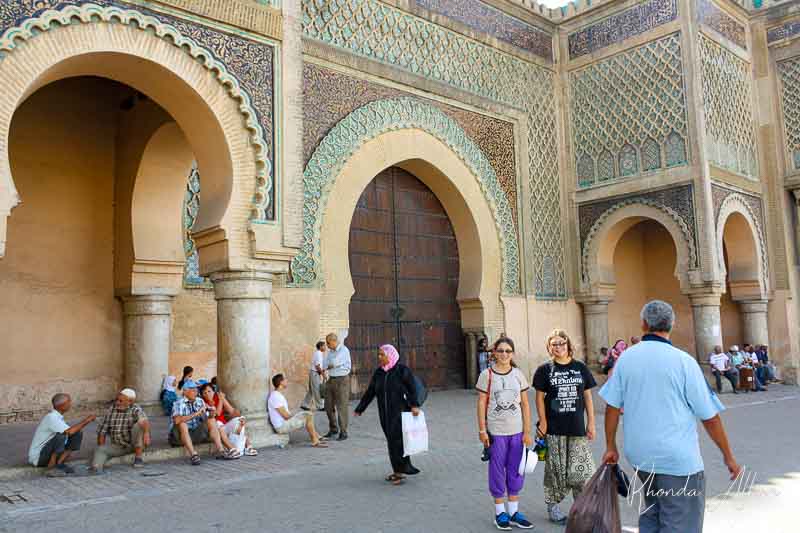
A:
x,y
562,395
395,389
504,428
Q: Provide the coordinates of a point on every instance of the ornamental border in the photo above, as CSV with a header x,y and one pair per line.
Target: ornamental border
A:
x,y
367,123
92,13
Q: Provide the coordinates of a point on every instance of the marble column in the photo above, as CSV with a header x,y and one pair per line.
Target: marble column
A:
x,y
595,323
755,329
707,323
146,333
243,349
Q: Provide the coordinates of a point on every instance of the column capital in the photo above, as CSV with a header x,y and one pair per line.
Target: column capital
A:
x,y
705,298
242,285
146,304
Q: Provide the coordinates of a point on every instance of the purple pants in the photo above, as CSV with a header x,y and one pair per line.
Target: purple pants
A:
x,y
505,455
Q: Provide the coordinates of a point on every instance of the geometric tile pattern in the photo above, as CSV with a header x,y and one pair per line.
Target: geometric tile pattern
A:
x,y
490,20
709,14
389,35
727,102
244,66
789,72
368,122
620,105
616,28
191,207
330,95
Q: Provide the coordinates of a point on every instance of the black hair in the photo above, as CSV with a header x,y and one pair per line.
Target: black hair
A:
x,y
276,380
320,345
505,340
205,386
186,371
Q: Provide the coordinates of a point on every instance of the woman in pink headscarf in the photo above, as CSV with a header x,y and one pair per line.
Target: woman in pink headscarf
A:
x,y
394,386
613,354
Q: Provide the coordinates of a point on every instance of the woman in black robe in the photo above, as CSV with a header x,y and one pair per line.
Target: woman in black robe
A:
x,y
395,389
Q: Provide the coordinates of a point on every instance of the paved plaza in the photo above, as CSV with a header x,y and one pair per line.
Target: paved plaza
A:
x,y
342,489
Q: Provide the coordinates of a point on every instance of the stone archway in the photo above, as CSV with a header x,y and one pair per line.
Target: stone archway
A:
x,y
176,72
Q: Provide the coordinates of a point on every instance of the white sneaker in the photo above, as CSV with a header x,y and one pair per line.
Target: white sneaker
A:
x,y
555,515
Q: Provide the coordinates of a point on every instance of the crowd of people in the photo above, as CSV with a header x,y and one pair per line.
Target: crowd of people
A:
x,y
661,387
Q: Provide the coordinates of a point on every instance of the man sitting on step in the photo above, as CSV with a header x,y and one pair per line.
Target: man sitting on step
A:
x,y
123,430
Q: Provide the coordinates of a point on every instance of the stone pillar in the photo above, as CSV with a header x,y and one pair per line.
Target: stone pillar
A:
x,y
707,323
471,357
755,329
595,323
243,336
146,332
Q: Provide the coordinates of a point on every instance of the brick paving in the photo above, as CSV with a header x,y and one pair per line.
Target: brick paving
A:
x,y
342,489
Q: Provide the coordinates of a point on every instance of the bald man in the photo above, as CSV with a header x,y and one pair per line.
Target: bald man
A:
x,y
54,440
123,430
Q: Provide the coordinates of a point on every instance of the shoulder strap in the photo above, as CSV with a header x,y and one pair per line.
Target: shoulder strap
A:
x,y
488,394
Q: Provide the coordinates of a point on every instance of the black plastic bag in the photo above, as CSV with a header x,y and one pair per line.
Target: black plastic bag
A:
x,y
596,509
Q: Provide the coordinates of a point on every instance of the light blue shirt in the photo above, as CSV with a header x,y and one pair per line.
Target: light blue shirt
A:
x,y
663,392
340,359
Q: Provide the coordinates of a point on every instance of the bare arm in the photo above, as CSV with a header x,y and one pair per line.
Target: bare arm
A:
x,y
716,431
612,423
80,425
526,419
588,403
541,412
483,399
284,413
177,419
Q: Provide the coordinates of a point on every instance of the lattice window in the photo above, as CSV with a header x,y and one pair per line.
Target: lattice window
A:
x,y
630,99
675,150
628,161
790,92
585,170
605,166
651,155
191,207
728,106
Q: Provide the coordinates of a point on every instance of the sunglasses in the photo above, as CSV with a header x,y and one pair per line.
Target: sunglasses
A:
x,y
558,344
504,351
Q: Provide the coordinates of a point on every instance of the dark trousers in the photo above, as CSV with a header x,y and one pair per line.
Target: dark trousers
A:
x,y
60,443
730,375
672,504
337,403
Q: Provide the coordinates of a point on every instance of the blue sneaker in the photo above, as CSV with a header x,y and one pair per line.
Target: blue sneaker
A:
x,y
519,520
502,521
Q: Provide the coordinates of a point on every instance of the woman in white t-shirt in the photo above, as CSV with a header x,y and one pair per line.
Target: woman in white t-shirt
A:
x,y
504,427
282,421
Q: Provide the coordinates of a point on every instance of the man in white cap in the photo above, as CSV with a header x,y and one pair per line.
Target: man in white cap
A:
x,y
123,430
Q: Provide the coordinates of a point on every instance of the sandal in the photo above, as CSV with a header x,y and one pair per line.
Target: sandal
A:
x,y
320,444
398,481
195,460
250,452
394,477
232,454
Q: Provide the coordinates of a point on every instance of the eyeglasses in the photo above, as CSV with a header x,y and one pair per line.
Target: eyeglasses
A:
x,y
504,351
558,344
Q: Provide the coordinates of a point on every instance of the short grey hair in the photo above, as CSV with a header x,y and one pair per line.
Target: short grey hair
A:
x,y
60,399
658,315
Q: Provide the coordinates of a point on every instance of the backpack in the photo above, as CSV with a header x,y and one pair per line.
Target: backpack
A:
x,y
422,391
168,397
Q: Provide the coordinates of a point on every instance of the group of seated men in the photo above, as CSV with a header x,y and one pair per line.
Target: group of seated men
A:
x,y
201,414
731,363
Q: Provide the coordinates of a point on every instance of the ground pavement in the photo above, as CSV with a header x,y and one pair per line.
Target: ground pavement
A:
x,y
342,489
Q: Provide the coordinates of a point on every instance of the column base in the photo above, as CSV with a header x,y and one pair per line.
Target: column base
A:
x,y
262,435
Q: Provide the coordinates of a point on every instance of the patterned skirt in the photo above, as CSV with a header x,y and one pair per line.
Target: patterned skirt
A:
x,y
569,465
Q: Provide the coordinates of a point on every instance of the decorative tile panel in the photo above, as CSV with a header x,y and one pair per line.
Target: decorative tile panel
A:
x,y
191,208
631,99
490,20
712,16
789,72
728,105
246,65
787,30
617,28
677,202
370,121
329,96
374,30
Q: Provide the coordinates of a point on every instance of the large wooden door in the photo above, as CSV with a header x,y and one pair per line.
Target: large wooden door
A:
x,y
404,264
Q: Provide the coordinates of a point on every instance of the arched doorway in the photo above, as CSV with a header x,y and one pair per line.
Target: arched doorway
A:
x,y
644,262
404,264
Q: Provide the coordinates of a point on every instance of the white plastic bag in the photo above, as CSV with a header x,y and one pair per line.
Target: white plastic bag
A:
x,y
415,434
528,462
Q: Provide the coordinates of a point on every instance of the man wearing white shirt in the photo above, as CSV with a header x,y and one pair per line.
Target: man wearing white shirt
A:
x,y
337,398
54,439
313,399
721,366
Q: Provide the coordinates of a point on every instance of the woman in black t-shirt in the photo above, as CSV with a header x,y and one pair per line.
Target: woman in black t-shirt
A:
x,y
562,395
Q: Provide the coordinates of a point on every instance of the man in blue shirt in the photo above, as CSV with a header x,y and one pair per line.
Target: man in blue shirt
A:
x,y
664,392
337,396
